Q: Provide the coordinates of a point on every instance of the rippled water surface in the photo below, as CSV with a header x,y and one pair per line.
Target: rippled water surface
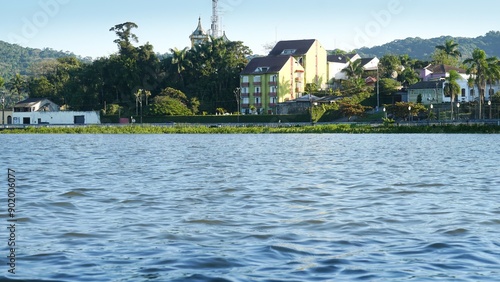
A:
x,y
255,207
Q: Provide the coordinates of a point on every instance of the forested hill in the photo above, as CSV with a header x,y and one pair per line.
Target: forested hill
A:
x,y
16,59
422,49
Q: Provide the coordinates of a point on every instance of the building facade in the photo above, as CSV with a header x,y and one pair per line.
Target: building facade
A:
x,y
38,111
267,81
282,75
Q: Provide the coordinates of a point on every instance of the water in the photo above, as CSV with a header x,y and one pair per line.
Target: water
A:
x,y
254,207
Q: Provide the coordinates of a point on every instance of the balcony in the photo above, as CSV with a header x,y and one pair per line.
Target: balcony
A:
x,y
245,84
272,83
257,94
257,105
272,105
245,106
257,83
273,94
244,95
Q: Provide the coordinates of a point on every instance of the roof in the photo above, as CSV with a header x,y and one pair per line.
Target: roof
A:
x,y
340,58
269,64
199,30
444,69
292,47
428,85
29,102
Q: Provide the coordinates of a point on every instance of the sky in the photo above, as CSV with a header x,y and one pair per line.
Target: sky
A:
x,y
82,26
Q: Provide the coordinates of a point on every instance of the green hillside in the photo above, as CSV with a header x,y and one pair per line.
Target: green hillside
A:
x,y
16,59
422,49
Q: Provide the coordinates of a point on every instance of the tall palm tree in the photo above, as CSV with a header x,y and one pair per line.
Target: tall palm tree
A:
x,y
450,48
477,68
17,84
451,87
179,63
492,73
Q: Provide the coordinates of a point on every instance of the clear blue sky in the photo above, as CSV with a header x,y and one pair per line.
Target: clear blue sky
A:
x,y
82,26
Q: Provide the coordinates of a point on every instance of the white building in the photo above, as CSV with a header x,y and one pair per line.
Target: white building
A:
x,y
38,111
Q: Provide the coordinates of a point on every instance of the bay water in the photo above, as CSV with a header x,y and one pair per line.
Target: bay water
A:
x,y
284,207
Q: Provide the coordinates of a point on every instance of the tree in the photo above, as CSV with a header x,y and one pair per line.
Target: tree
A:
x,y
477,68
350,109
451,87
492,73
390,66
447,54
172,102
354,69
2,81
125,36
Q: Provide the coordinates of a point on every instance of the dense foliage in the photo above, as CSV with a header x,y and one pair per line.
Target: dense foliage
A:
x,y
207,74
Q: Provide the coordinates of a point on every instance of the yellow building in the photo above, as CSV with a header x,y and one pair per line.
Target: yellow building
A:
x,y
310,54
283,75
267,81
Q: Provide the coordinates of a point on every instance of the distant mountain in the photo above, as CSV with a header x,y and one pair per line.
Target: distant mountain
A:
x,y
422,49
16,59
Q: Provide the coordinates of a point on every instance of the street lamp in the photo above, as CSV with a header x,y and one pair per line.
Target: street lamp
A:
x,y
378,89
385,112
409,113
458,111
489,104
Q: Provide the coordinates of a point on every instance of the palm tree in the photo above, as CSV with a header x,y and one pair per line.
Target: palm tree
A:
x,y
477,68
451,87
179,63
354,70
492,73
450,48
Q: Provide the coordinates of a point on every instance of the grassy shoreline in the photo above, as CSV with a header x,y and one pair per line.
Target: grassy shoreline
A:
x,y
261,129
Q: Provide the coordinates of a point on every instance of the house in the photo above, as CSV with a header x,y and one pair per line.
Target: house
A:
x,y
267,81
434,76
43,111
337,63
36,105
430,92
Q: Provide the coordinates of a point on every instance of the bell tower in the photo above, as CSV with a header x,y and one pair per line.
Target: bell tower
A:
x,y
199,35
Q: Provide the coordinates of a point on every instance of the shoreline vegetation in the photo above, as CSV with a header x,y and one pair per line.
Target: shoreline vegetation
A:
x,y
351,128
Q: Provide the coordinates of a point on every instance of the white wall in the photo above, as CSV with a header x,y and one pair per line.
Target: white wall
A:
x,y
62,117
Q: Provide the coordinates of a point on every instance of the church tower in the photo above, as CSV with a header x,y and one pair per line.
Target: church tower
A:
x,y
199,35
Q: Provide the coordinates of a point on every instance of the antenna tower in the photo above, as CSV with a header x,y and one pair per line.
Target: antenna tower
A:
x,y
215,19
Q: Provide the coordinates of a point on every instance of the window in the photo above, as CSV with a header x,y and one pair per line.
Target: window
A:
x,y
257,100
256,78
288,51
472,92
246,101
244,90
272,89
262,69
463,92
245,79
257,89
274,78
273,100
